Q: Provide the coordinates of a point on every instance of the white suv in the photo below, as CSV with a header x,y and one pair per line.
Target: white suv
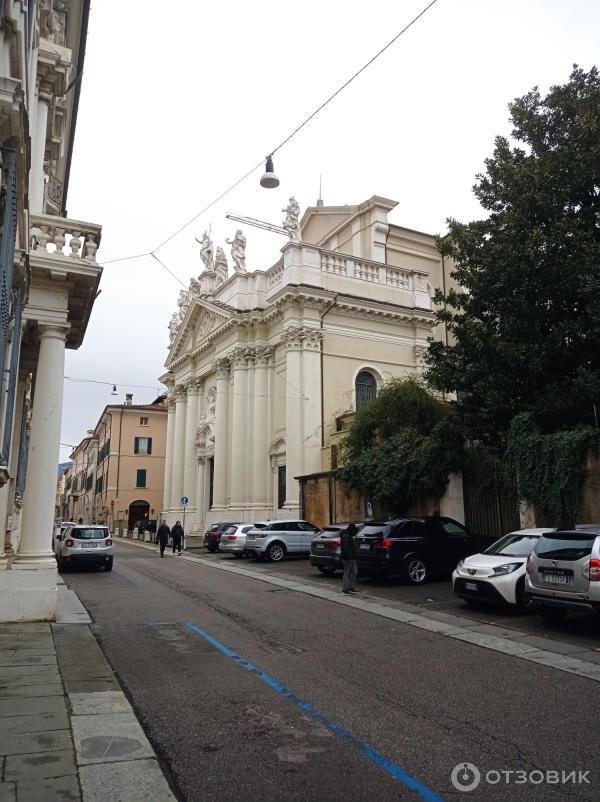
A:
x,y
279,538
84,544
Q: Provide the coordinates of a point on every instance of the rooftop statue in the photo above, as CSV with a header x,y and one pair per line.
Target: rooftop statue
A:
x,y
206,251
183,302
238,251
292,220
221,266
173,326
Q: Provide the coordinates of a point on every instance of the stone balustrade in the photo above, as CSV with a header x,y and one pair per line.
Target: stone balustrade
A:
x,y
64,238
275,275
366,270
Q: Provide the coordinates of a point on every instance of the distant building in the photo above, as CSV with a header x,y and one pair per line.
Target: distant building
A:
x,y
117,476
49,279
261,364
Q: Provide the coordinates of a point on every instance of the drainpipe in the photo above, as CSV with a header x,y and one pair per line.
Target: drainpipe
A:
x,y
329,308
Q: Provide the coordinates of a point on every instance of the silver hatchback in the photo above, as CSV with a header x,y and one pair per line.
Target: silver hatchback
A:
x,y
563,572
82,544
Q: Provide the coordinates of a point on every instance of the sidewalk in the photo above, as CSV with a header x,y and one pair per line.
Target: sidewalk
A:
x,y
67,731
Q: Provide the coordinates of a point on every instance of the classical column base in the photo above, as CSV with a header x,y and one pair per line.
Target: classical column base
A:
x,y
28,592
25,561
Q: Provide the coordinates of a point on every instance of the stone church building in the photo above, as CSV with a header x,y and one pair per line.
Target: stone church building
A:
x,y
261,364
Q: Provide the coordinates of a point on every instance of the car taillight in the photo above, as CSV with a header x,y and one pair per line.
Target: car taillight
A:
x,y
231,537
109,542
594,570
384,544
528,565
69,543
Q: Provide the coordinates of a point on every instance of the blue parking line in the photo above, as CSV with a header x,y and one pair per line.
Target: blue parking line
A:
x,y
368,751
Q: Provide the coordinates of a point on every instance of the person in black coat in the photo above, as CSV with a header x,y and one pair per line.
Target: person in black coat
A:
x,y
177,535
163,536
348,558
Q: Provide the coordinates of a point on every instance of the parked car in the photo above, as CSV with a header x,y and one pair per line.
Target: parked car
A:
x,y
280,538
414,548
563,572
84,544
325,548
233,538
212,537
59,529
498,573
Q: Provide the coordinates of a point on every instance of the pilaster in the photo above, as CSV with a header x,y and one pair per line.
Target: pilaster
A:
x,y
221,434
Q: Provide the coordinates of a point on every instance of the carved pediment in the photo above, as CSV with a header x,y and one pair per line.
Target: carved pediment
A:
x,y
199,323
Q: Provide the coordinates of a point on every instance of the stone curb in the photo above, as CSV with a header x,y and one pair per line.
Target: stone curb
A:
x,y
505,642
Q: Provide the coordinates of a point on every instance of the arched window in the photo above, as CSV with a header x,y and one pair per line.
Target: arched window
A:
x,y
366,388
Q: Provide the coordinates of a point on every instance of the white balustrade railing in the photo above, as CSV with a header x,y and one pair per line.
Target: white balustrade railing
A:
x,y
366,270
64,238
397,278
275,275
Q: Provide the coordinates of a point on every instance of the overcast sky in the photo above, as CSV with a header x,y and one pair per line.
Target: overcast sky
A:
x,y
181,99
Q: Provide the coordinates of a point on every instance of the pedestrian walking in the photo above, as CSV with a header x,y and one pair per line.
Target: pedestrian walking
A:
x,y
177,534
163,536
348,558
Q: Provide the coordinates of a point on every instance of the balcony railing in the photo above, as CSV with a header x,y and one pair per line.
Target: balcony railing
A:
x,y
63,238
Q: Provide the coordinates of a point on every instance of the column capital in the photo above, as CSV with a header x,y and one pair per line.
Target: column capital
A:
x,y
193,386
239,358
58,331
312,339
179,392
292,338
223,366
263,356
170,402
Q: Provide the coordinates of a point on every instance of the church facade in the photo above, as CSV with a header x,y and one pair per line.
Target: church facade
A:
x,y
262,363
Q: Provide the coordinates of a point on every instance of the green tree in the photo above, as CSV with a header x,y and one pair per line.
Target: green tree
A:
x,y
402,446
525,330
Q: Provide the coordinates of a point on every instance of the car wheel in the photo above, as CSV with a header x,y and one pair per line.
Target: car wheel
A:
x,y
108,564
552,613
326,570
276,552
415,570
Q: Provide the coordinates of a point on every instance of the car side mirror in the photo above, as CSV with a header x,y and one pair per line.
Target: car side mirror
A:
x,y
59,537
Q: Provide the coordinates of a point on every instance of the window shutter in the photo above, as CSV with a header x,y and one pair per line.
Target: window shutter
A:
x,y
12,377
136,446
149,446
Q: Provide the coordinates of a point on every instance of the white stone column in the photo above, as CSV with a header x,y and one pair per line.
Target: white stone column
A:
x,y
239,429
44,449
311,406
178,448
293,414
168,483
221,434
190,462
200,494
38,150
260,444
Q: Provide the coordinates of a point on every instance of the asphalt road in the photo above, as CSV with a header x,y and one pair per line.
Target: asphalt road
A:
x,y
581,628
253,692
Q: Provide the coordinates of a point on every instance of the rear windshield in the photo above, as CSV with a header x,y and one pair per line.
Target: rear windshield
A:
x,y
230,530
332,532
375,530
564,547
90,534
513,546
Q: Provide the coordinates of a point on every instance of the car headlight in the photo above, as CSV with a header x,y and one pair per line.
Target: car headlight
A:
x,y
460,565
507,568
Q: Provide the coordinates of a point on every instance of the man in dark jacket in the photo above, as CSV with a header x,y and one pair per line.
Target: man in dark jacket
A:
x,y
348,554
177,535
163,536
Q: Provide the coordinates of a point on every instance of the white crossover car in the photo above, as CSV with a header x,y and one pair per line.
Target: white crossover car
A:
x,y
498,574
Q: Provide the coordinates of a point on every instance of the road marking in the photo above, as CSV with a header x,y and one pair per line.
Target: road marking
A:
x,y
368,751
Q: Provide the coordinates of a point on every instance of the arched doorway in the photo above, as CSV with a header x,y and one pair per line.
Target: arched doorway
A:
x,y
138,511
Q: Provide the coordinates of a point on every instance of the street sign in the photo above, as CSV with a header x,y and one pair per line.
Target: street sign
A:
x,y
185,500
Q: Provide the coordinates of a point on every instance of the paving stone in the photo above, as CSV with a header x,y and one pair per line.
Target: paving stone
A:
x,y
8,792
29,743
26,628
83,704
498,631
50,675
58,789
32,706
550,645
11,658
588,655
132,781
43,689
40,766
102,685
42,722
109,738
30,671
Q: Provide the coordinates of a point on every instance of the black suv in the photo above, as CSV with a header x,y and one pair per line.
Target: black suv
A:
x,y
415,548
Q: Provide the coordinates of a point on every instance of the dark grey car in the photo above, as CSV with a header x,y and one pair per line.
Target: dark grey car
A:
x,y
325,549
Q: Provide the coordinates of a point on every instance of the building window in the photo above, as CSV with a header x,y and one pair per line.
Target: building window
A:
x,y
140,479
99,485
366,388
143,421
281,477
142,445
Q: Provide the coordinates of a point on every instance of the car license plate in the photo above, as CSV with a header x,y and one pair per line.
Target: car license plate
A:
x,y
365,546
89,546
319,545
470,586
557,579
